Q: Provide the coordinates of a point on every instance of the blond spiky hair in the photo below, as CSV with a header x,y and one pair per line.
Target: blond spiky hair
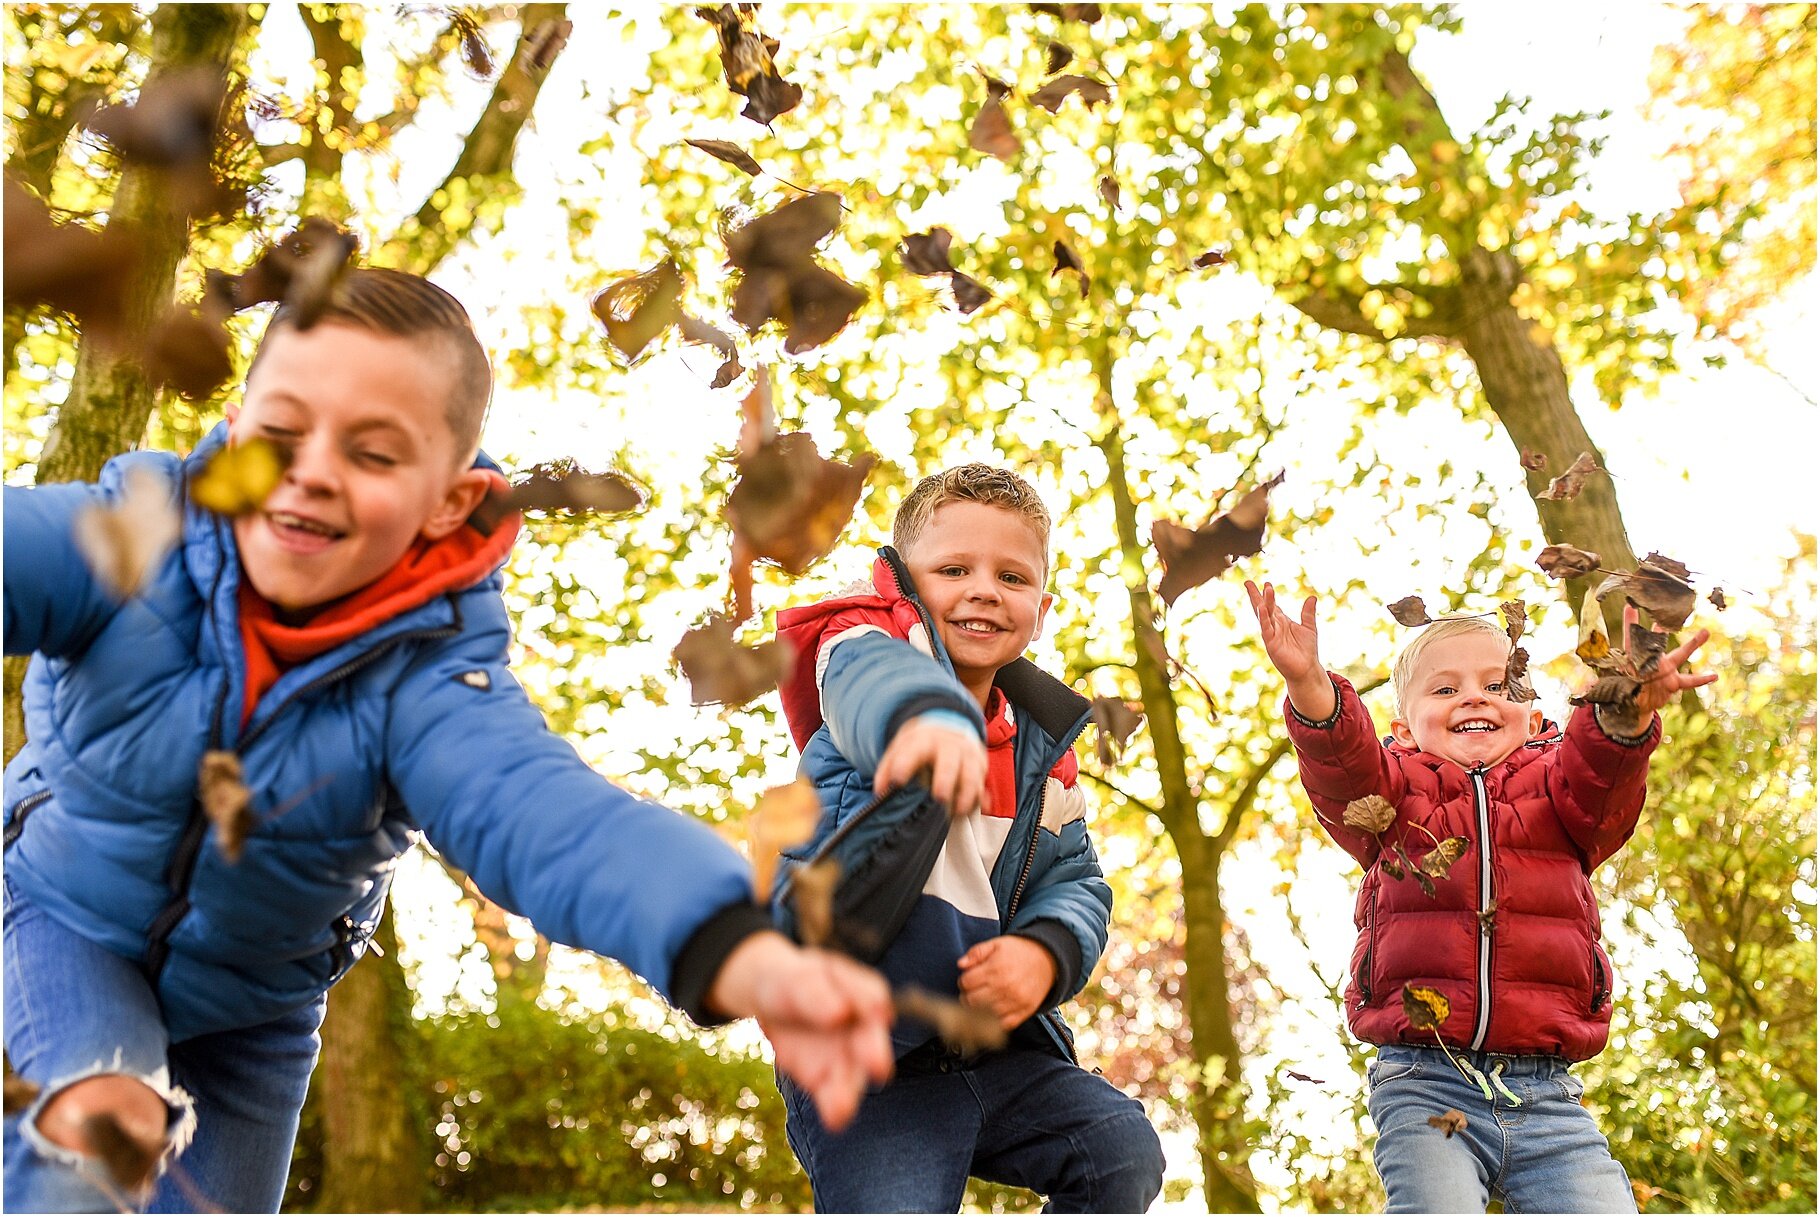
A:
x,y
973,483
1439,631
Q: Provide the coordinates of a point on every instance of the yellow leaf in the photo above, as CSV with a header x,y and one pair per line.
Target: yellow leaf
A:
x,y
785,816
1425,1008
1594,644
237,479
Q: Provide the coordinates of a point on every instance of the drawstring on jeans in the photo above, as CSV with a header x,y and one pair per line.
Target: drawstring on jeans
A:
x,y
1485,1085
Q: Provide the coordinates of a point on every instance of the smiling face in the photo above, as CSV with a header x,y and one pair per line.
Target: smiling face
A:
x,y
1454,704
979,570
374,461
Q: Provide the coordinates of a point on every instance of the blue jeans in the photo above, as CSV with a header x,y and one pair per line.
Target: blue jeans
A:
x,y
1020,1117
1543,1155
75,1010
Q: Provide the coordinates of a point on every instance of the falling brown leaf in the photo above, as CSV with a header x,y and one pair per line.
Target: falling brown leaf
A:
x,y
1067,259
1087,14
991,132
781,279
301,271
187,348
791,503
966,1029
1595,644
1566,562
171,124
721,672
1410,611
1426,1009
1613,689
1449,1122
1056,56
1488,916
544,42
476,52
783,817
1569,484
1413,871
1516,619
1439,860
1193,556
969,293
1109,192
926,253
1660,586
731,153
70,268
1531,460
20,1093
225,801
122,544
1389,865
1644,650
638,308
1051,96
559,486
1373,813
1302,1077
128,1160
1517,687
1717,596
695,330
1213,257
1116,720
812,896
748,59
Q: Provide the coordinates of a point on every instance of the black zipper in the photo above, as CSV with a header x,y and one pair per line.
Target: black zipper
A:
x,y
1371,945
15,822
189,846
1601,989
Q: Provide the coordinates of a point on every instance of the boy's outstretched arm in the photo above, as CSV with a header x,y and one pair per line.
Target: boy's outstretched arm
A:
x,y
592,866
827,1018
53,603
1294,650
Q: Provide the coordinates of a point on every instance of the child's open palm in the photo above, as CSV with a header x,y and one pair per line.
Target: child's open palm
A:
x,y
1291,644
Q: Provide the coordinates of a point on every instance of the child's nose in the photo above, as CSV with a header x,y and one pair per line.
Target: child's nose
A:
x,y
311,468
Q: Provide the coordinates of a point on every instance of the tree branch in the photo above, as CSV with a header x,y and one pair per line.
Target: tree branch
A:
x,y
1132,799
1338,309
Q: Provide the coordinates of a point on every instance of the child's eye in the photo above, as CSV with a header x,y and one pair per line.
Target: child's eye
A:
x,y
952,570
1008,577
1495,686
378,460
1444,691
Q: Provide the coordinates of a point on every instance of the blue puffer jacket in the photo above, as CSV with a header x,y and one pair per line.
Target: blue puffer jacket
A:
x,y
416,724
868,661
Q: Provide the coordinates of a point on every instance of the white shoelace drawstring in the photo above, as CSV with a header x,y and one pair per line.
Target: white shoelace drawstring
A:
x,y
1486,1085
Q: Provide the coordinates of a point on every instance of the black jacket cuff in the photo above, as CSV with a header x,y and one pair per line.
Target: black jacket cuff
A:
x,y
700,960
1061,943
1339,704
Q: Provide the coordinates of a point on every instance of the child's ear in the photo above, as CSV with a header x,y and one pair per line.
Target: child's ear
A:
x,y
463,496
1399,731
1042,615
1535,721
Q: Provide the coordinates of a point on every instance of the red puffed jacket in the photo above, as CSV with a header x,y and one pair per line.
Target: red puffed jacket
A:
x,y
1511,935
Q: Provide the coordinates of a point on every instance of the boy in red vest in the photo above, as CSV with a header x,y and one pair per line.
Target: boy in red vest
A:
x,y
1509,937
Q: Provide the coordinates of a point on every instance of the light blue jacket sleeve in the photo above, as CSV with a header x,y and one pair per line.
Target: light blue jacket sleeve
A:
x,y
1073,893
54,605
541,833
874,684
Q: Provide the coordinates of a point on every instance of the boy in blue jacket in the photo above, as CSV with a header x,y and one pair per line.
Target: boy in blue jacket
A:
x,y
918,680
346,643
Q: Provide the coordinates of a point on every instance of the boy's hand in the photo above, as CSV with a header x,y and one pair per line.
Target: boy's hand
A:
x,y
1293,650
828,1018
1009,976
1668,683
955,759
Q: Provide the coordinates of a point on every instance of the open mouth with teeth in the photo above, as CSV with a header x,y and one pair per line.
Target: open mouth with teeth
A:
x,y
301,531
983,628
1475,726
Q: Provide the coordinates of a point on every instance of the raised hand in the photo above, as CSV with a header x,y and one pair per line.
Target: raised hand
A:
x,y
953,756
1668,682
1294,651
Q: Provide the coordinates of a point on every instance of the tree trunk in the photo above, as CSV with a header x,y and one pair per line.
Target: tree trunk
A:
x,y
110,401
374,1144
1219,1089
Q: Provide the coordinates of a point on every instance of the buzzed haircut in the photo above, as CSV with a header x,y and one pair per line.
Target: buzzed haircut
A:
x,y
409,306
973,483
1439,631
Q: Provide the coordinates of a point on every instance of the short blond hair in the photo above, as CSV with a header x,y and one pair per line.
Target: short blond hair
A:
x,y
1439,631
974,483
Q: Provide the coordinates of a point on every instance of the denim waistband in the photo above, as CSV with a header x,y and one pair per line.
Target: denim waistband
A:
x,y
1515,1064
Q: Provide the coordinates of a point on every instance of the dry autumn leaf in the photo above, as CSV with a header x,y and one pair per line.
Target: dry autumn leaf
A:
x,y
476,52
1056,56
1116,720
1409,611
1660,586
695,330
1516,676
1566,562
1532,460
1569,484
1426,1009
1086,14
812,890
1193,556
236,480
780,278
187,348
1717,597
784,817
1516,620
1051,96
748,59
1410,869
1213,257
122,544
544,43
1302,1077
731,153
1439,860
969,293
301,271
1449,1122
70,268
926,253
991,132
1067,259
965,1029
1373,813
170,124
1109,192
20,1093
722,672
225,801
638,308
127,1160
790,503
